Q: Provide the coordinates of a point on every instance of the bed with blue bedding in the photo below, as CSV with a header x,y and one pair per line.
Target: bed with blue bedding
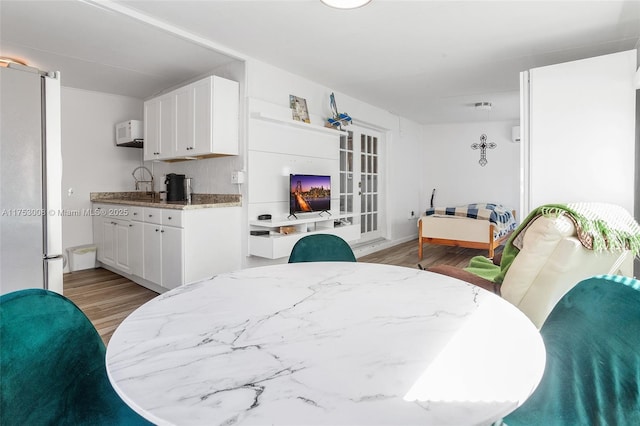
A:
x,y
478,225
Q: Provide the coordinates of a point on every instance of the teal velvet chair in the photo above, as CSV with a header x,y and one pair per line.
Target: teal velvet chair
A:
x,y
592,375
52,365
321,248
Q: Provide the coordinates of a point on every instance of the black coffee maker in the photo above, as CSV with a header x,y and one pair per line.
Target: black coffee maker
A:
x,y
175,187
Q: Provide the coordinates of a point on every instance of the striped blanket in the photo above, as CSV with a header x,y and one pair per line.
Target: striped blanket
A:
x,y
497,214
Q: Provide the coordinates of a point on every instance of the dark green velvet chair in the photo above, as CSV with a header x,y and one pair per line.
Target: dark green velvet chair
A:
x,y
52,365
592,375
321,248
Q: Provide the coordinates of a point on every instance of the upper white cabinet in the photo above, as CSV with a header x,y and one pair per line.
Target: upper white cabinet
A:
x,y
160,140
152,129
198,120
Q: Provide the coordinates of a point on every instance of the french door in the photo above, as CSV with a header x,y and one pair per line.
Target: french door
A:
x,y
361,179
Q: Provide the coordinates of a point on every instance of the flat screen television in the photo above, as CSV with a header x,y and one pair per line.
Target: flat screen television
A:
x,y
309,193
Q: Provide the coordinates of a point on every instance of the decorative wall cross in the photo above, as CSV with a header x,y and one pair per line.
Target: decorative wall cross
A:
x,y
483,145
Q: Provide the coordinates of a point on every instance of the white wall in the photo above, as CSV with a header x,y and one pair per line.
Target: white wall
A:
x,y
402,137
91,160
404,181
582,132
450,165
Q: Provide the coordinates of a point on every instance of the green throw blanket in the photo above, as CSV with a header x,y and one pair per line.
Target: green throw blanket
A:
x,y
600,227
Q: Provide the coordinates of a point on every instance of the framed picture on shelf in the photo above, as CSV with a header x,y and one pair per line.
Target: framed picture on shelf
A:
x,y
299,108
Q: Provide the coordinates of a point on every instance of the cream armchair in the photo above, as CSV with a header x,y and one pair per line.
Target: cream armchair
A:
x,y
550,262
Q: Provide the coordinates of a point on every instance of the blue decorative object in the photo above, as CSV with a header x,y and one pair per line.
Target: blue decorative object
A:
x,y
339,119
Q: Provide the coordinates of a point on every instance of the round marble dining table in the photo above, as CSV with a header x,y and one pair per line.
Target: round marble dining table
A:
x,y
335,343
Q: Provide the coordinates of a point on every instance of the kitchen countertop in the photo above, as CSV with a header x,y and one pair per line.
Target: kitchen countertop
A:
x,y
147,199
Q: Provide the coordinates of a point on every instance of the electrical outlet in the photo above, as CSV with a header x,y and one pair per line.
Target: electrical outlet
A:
x,y
412,215
237,177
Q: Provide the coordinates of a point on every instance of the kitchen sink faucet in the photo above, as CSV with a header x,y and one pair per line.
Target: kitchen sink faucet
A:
x,y
138,182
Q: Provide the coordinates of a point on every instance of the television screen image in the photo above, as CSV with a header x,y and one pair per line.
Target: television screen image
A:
x,y
309,193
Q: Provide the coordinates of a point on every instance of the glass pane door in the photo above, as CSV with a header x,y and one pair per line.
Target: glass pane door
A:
x,y
369,185
346,173
360,179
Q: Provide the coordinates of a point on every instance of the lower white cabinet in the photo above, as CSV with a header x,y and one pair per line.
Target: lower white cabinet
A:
x,y
151,263
163,262
165,248
113,242
136,248
122,255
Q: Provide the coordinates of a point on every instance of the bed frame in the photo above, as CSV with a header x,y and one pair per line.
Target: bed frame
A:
x,y
458,232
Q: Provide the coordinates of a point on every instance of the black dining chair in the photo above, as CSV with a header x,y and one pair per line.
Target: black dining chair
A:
x,y
52,365
321,248
592,374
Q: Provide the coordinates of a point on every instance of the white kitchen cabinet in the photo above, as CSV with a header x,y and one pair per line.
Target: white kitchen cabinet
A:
x,y
136,248
168,136
198,120
151,144
112,239
152,242
160,138
211,242
163,248
163,255
108,246
214,102
172,257
121,233
184,125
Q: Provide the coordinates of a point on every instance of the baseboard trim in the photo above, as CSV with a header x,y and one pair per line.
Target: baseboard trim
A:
x,y
368,247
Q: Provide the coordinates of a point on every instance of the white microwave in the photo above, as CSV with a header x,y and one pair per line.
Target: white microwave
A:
x,y
129,133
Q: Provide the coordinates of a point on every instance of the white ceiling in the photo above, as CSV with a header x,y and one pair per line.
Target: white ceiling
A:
x,y
429,61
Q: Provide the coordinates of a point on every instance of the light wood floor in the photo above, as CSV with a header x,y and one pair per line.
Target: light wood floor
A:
x,y
107,298
104,297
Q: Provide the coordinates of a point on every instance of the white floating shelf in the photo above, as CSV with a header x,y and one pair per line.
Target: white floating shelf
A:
x,y
296,124
272,223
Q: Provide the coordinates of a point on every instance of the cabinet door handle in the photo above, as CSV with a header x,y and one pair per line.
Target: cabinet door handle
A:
x,y
157,230
169,218
130,225
162,231
135,214
150,215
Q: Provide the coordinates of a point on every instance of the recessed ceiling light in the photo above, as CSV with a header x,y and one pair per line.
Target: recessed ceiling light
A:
x,y
345,4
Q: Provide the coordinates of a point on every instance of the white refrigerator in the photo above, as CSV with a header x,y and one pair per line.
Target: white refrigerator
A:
x,y
30,180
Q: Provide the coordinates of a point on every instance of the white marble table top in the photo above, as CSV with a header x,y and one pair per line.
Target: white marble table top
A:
x,y
326,344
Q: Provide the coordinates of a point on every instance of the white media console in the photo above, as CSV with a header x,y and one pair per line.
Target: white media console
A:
x,y
277,244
